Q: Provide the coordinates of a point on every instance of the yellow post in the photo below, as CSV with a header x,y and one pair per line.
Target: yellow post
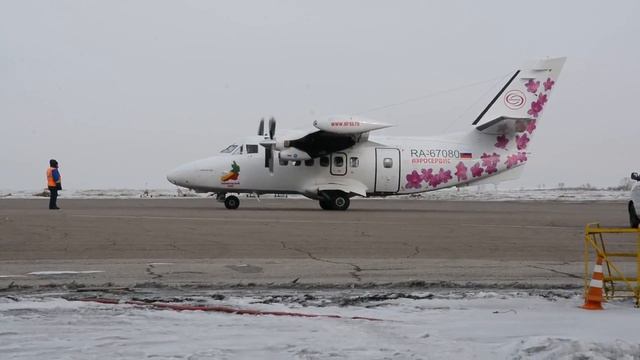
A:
x,y
637,292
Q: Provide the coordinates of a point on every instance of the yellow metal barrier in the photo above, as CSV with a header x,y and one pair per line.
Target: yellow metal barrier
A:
x,y
594,241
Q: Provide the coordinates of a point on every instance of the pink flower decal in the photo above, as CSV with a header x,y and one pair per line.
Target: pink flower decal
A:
x,y
490,162
522,141
536,107
502,142
522,156
512,160
542,99
532,86
427,175
461,171
531,127
476,170
413,180
435,180
548,84
444,176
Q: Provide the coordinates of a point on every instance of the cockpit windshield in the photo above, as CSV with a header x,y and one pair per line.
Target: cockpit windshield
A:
x,y
229,149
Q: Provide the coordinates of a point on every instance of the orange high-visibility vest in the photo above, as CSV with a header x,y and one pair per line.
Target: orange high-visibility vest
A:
x,y
50,181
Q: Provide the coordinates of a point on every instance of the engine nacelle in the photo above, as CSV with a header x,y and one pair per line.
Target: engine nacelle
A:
x,y
293,154
348,125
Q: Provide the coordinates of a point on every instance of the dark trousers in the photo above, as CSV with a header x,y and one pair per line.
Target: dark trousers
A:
x,y
53,198
633,216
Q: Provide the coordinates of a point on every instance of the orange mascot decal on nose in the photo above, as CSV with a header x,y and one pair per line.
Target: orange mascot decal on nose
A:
x,y
233,174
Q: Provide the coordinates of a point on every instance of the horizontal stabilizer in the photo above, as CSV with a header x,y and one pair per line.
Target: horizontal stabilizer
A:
x,y
504,125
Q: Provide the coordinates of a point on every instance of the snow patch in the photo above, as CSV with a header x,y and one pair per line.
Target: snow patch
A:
x,y
443,326
540,347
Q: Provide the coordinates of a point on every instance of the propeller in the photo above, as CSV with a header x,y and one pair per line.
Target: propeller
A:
x,y
261,127
269,144
272,128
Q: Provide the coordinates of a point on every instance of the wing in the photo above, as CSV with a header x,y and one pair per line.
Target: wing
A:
x,y
333,134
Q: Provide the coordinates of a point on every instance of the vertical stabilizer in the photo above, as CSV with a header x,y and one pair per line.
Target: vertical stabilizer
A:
x,y
523,97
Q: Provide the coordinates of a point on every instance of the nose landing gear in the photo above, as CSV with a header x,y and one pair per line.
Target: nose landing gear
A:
x,y
231,202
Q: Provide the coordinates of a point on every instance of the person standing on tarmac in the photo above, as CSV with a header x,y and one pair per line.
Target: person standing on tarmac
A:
x,y
54,183
634,203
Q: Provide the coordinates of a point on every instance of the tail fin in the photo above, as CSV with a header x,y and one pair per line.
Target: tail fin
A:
x,y
522,99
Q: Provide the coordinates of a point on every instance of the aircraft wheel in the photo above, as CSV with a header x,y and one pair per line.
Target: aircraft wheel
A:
x,y
231,202
325,205
340,202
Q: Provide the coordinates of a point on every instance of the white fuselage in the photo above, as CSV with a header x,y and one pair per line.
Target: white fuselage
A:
x,y
377,166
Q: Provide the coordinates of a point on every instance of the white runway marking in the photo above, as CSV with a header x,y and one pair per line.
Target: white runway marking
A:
x,y
301,221
64,272
523,226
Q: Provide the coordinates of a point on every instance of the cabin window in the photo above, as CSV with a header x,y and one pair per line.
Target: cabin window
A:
x,y
387,163
324,161
338,161
354,162
252,149
229,149
308,162
284,162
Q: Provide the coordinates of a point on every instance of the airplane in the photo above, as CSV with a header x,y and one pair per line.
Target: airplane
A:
x,y
338,158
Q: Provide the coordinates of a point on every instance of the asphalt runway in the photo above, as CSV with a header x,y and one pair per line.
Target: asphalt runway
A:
x,y
287,241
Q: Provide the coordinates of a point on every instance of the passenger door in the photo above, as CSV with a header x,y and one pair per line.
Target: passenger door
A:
x,y
387,170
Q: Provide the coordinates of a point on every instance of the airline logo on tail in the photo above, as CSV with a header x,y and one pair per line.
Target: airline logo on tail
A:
x,y
515,99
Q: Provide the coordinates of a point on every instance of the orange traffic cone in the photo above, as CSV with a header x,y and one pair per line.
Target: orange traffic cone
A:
x,y
593,300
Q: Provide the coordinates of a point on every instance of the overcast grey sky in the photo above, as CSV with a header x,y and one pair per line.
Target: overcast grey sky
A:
x,y
120,92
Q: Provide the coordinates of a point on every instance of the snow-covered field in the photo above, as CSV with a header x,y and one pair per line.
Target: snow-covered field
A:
x,y
474,193
453,325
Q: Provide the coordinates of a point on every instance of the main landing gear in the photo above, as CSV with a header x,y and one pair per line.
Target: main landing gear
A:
x,y
231,202
335,200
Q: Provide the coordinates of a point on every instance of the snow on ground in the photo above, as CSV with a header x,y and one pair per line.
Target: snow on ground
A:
x,y
474,193
481,325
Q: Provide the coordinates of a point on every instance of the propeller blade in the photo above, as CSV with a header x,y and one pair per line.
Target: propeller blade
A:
x,y
271,160
261,127
272,128
267,156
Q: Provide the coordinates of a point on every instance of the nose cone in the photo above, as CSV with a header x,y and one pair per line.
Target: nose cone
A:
x,y
178,176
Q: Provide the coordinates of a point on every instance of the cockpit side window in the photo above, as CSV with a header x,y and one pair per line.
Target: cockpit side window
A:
x,y
252,149
229,149
239,150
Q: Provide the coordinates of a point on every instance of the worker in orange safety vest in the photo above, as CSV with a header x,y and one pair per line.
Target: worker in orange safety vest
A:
x,y
54,183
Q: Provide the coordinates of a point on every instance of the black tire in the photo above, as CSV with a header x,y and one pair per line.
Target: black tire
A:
x,y
633,216
231,202
340,202
325,205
